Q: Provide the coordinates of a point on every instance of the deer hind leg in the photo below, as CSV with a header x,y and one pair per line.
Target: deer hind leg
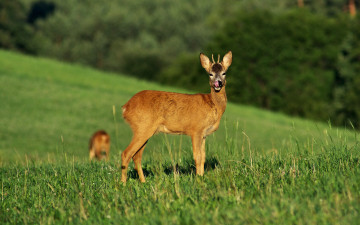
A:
x,y
136,145
198,143
137,161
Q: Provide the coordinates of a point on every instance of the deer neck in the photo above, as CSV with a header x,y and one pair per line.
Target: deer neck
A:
x,y
219,98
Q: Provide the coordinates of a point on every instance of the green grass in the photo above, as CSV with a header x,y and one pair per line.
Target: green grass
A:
x,y
262,167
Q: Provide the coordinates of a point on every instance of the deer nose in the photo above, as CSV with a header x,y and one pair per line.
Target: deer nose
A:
x,y
220,83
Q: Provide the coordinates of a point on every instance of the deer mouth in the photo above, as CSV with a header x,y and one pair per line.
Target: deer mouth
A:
x,y
103,153
218,85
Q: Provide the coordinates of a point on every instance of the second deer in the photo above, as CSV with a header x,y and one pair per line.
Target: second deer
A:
x,y
196,115
99,145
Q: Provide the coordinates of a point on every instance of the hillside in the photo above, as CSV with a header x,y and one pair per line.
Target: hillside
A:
x,y
51,108
261,167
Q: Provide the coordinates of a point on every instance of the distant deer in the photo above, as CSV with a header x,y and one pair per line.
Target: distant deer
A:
x,y
99,145
197,115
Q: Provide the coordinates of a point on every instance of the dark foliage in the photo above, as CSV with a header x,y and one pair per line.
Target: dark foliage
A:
x,y
283,62
15,34
40,10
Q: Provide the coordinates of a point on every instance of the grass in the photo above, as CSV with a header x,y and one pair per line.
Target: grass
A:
x,y
262,167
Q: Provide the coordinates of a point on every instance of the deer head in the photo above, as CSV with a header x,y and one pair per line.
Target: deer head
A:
x,y
216,70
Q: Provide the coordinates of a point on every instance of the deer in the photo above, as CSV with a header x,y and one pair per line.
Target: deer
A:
x,y
197,115
99,145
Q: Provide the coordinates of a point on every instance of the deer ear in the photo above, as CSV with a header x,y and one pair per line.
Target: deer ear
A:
x,y
227,60
205,62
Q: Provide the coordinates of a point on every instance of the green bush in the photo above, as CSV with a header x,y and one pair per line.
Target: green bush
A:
x,y
283,62
15,33
346,91
187,73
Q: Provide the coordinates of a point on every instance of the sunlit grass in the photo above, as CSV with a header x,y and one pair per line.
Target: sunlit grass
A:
x,y
261,167
297,186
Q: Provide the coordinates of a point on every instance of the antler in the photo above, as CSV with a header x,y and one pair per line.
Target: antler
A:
x,y
212,57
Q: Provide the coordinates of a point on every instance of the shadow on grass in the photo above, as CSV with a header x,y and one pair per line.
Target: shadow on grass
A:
x,y
210,164
186,169
133,174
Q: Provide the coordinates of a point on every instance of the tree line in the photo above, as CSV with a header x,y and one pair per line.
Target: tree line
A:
x,y
297,57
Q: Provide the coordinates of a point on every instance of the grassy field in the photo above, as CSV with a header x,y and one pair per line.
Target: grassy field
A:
x,y
262,167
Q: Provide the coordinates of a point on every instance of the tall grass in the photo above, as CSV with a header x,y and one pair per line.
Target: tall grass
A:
x,y
299,186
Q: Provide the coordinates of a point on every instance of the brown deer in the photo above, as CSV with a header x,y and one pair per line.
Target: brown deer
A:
x,y
197,115
99,145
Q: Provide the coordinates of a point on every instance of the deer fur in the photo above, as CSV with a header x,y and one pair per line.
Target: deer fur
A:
x,y
99,145
197,115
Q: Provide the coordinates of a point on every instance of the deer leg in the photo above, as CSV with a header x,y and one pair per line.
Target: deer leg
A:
x,y
136,144
197,151
137,161
92,153
202,155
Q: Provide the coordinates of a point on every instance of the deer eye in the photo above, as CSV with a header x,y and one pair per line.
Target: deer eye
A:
x,y
224,74
210,75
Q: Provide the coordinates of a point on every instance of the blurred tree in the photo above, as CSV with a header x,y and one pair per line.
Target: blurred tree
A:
x,y
283,62
327,7
14,32
352,8
135,37
347,87
300,3
40,10
186,73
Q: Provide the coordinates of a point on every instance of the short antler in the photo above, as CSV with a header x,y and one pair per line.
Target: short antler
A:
x,y
212,57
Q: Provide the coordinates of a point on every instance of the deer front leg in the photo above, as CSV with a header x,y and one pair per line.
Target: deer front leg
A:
x,y
92,153
199,153
202,155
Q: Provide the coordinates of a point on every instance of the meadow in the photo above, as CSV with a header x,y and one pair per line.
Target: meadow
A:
x,y
262,167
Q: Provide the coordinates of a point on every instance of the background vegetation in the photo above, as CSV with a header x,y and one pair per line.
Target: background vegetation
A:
x,y
297,57
261,167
